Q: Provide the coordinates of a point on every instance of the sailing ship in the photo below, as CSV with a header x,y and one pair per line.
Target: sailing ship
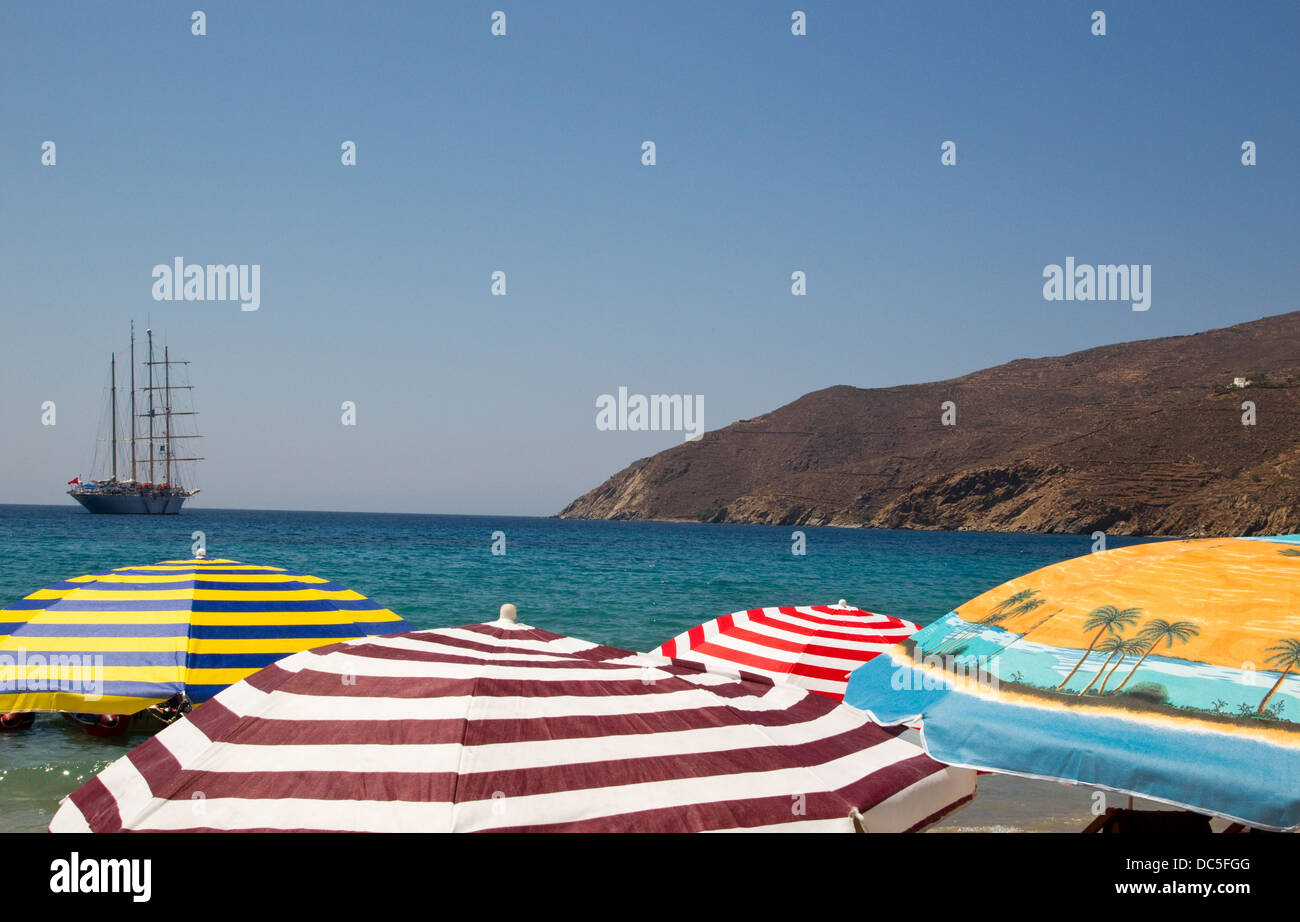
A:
x,y
149,447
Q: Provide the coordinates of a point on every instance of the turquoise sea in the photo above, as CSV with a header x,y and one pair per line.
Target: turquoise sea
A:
x,y
630,584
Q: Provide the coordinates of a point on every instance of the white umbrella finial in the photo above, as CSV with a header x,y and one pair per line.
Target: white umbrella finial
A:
x,y
509,612
841,604
200,554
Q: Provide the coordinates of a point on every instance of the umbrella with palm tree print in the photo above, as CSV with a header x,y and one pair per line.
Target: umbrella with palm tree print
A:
x,y
1169,670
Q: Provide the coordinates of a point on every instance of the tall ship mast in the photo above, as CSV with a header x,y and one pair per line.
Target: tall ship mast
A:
x,y
149,446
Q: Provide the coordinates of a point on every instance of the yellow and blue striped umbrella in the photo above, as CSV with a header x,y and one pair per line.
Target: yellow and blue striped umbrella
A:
x,y
119,641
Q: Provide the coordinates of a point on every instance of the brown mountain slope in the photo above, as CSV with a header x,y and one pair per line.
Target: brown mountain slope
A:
x,y
1134,438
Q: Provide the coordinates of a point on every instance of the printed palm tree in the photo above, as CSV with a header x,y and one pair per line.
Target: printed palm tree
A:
x,y
1108,619
1285,655
1157,630
1016,638
1111,646
991,618
1015,604
1134,646
1025,607
1013,600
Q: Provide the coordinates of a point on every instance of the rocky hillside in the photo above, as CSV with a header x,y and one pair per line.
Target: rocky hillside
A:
x,y
1136,438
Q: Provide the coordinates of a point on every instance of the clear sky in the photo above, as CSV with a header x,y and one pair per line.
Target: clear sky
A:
x,y
522,153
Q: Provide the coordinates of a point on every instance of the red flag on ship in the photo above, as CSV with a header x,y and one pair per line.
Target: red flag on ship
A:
x,y
75,480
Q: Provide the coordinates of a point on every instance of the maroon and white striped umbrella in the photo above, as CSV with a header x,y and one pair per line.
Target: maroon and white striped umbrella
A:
x,y
812,646
505,727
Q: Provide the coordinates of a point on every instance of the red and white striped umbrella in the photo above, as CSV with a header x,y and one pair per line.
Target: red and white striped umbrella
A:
x,y
812,646
505,727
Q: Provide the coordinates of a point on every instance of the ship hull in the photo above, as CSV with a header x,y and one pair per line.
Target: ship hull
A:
x,y
130,504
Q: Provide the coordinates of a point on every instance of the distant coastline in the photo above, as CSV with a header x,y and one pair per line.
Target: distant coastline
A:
x,y
1184,436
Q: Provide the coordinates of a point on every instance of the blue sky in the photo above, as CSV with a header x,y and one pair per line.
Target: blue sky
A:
x,y
522,153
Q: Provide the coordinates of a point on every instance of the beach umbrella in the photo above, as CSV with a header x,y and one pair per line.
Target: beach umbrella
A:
x,y
501,726
120,641
1169,670
812,646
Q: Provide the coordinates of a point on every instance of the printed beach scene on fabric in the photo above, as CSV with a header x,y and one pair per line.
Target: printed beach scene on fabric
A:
x,y
1206,627
1166,669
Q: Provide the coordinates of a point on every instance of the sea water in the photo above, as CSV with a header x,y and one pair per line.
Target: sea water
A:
x,y
629,584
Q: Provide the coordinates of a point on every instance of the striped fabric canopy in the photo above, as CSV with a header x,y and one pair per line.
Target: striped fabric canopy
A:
x,y
812,646
505,727
119,641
